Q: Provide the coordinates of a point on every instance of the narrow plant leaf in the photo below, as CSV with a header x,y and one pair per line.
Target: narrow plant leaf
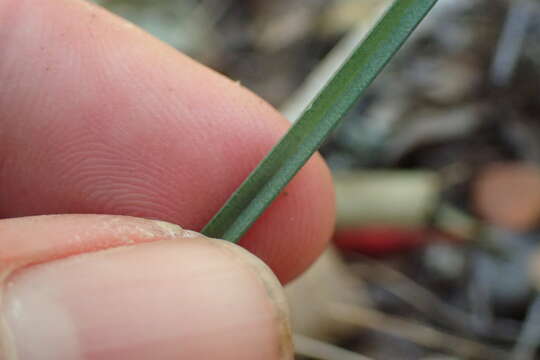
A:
x,y
317,122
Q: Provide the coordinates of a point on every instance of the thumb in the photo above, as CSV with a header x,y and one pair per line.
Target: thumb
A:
x,y
139,289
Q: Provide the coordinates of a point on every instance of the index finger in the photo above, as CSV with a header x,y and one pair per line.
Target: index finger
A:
x,y
98,117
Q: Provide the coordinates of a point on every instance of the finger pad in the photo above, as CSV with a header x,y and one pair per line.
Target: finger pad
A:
x,y
121,124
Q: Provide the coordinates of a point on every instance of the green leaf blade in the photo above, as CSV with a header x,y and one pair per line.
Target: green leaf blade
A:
x,y
324,114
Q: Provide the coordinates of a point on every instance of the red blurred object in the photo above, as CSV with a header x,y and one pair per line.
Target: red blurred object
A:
x,y
379,240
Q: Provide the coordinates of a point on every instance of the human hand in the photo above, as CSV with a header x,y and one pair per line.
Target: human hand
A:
x,y
97,117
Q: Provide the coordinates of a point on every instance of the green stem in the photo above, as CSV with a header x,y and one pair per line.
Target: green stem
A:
x,y
317,122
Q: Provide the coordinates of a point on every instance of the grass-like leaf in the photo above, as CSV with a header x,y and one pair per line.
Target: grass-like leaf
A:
x,y
317,122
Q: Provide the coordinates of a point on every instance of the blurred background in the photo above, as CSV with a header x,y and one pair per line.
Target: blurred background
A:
x,y
436,168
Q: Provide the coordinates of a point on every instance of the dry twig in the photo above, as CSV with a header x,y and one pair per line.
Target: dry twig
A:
x,y
418,333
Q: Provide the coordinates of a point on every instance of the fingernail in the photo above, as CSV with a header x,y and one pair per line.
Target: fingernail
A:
x,y
192,298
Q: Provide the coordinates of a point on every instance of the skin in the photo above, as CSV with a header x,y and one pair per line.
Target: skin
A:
x,y
97,117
